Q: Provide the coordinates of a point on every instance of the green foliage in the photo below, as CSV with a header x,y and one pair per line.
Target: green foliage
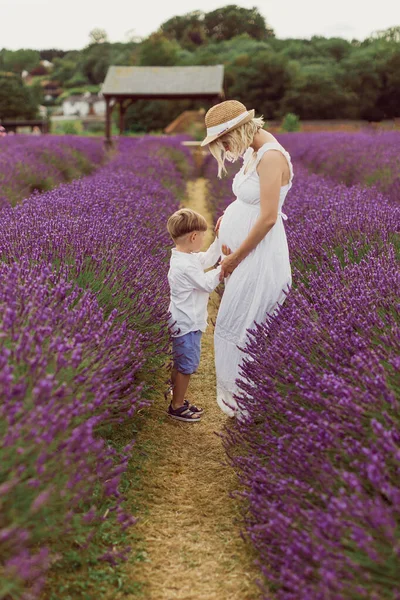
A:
x,y
95,61
94,89
70,128
18,60
16,99
317,78
89,66
226,52
146,115
389,98
196,28
65,68
232,20
361,77
188,30
261,81
37,94
77,80
95,128
290,123
316,93
51,54
158,50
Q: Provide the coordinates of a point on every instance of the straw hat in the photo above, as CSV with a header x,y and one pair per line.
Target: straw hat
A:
x,y
224,117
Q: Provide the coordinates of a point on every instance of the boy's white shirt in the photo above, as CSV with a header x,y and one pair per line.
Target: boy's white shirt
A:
x,y
190,288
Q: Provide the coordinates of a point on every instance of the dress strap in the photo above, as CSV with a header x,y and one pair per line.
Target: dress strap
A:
x,y
275,146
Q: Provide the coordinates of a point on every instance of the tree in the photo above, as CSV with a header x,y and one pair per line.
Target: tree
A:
x,y
389,98
226,52
361,77
16,99
301,50
95,62
232,20
316,92
98,36
332,48
260,81
51,54
65,68
37,93
158,50
188,30
18,60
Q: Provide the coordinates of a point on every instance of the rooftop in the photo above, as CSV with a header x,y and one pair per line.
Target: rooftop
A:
x,y
164,81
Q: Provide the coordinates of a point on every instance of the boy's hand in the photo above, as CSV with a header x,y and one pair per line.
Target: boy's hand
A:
x,y
226,250
218,226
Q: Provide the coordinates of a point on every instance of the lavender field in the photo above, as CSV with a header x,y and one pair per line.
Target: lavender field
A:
x,y
83,323
29,163
365,158
83,309
319,455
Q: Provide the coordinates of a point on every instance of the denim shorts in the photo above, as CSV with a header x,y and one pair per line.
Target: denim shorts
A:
x,y
186,352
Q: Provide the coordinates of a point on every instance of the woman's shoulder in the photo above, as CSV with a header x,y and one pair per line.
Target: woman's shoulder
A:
x,y
277,159
271,142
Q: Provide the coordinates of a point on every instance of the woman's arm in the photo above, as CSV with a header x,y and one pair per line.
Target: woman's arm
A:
x,y
270,171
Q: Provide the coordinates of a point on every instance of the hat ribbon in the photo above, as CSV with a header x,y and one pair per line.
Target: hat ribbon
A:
x,y
221,127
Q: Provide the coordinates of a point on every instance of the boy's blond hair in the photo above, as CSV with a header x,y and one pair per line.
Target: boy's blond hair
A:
x,y
238,140
185,221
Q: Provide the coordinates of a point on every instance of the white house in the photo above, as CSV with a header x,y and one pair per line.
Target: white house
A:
x,y
83,105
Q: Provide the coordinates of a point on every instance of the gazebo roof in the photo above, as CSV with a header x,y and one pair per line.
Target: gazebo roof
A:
x,y
199,81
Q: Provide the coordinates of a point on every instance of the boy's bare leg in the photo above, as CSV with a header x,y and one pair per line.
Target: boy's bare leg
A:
x,y
173,377
180,383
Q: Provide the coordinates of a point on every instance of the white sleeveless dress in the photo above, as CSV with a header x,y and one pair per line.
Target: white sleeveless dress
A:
x,y
257,286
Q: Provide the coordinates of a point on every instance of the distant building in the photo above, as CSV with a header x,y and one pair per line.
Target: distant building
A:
x,y
83,105
47,64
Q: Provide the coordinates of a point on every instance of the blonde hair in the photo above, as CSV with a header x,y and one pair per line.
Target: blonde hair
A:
x,y
238,140
185,221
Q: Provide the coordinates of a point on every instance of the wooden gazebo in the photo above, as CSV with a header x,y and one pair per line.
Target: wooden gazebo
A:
x,y
124,85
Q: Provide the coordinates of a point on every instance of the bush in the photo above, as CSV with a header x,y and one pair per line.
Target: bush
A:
x,y
95,127
290,123
71,127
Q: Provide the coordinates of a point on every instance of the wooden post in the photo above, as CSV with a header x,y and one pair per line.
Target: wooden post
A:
x,y
122,111
107,139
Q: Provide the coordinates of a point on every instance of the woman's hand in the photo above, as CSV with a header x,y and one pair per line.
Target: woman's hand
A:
x,y
228,265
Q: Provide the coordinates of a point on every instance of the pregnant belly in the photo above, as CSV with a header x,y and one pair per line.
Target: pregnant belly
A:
x,y
236,223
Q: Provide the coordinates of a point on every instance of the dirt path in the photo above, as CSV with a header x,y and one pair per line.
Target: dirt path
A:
x,y
187,525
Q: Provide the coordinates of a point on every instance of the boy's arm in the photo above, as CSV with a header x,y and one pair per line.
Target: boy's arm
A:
x,y
206,282
211,256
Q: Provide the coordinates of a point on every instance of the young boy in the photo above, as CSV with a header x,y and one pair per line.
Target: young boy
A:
x,y
190,288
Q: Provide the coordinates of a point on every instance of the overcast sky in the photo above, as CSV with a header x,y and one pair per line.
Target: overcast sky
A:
x,y
66,24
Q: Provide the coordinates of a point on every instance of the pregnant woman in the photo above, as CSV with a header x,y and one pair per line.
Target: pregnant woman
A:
x,y
257,273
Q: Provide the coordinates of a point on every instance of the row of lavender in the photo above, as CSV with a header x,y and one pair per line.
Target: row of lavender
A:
x,y
29,163
83,306
371,159
319,456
